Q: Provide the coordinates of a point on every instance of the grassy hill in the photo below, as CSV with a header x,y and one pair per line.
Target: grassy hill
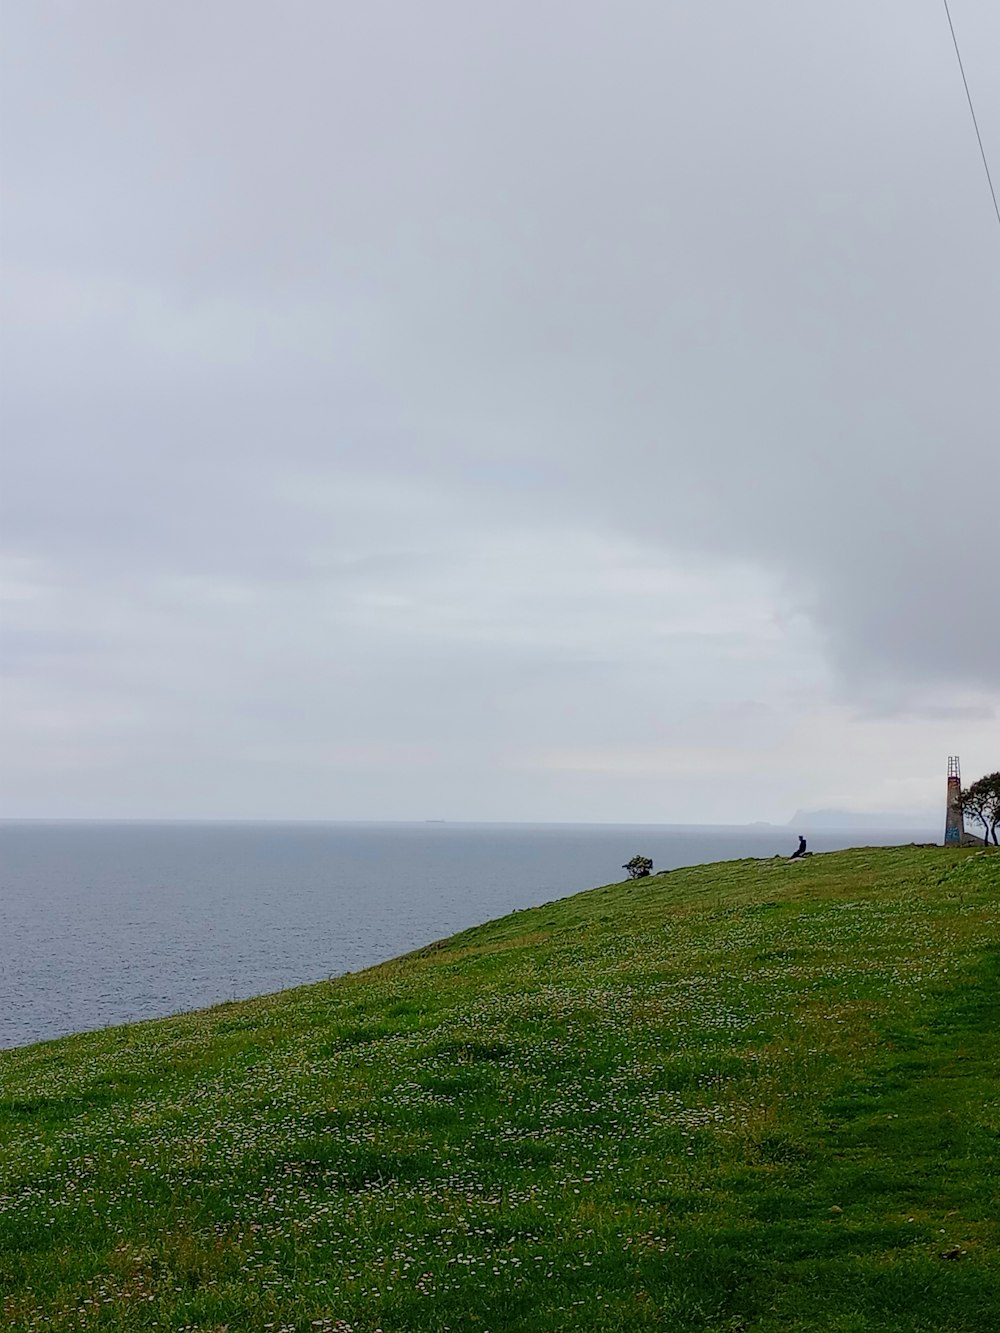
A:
x,y
758,1095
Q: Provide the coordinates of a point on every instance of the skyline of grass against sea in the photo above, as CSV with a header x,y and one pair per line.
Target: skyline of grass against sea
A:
x,y
758,1095
104,923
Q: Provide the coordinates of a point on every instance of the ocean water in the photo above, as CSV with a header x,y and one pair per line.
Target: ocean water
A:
x,y
112,923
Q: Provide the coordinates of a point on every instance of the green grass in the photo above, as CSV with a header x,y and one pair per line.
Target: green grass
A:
x,y
758,1095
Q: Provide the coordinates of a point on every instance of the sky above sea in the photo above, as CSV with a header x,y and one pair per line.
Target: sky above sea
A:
x,y
559,411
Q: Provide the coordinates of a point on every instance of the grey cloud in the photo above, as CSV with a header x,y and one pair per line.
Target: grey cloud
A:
x,y
305,302
738,261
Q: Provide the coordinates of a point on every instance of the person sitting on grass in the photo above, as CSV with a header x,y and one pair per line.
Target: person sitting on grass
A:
x,y
800,850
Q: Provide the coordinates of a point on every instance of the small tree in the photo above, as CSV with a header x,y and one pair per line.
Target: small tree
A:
x,y
981,803
639,867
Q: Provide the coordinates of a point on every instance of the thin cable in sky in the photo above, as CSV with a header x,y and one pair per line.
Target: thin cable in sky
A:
x,y
975,122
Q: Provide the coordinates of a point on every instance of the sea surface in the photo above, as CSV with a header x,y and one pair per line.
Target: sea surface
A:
x,y
105,923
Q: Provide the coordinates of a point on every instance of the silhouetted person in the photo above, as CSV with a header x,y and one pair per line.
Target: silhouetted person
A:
x,y
800,850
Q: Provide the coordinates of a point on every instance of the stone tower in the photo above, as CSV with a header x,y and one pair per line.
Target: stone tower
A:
x,y
954,827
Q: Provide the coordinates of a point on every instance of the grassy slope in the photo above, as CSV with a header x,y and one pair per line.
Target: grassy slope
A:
x,y
755,1095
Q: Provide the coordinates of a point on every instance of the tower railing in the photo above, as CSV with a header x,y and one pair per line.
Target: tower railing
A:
x,y
954,823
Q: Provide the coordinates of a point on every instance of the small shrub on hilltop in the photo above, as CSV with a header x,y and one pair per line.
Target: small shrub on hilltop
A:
x,y
639,867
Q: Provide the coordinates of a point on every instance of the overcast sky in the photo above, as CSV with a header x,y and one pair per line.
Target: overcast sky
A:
x,y
550,410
